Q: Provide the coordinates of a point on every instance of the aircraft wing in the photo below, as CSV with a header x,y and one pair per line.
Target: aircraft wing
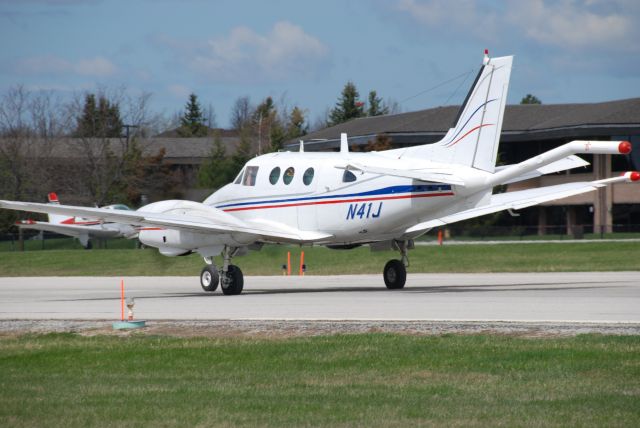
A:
x,y
416,174
188,216
516,200
70,230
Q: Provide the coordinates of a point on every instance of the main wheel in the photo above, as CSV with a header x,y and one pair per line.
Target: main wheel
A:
x,y
209,278
234,281
395,274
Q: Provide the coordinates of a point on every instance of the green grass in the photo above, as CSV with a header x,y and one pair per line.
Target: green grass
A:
x,y
545,257
65,244
353,380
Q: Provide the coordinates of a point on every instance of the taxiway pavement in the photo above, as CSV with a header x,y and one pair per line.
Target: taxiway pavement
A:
x,y
544,297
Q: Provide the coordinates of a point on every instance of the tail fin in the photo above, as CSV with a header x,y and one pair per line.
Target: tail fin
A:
x,y
54,218
473,140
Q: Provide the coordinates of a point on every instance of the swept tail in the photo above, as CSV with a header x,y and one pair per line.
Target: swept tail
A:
x,y
473,140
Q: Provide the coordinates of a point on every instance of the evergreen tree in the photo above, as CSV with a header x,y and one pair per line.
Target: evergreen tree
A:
x,y
265,109
376,105
217,170
277,136
348,106
242,154
99,119
296,127
530,99
192,121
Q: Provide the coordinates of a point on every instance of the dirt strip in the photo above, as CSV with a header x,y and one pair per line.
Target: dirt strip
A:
x,y
299,328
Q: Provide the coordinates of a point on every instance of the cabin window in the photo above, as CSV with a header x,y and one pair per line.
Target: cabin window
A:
x,y
275,175
288,175
348,176
250,176
239,178
307,177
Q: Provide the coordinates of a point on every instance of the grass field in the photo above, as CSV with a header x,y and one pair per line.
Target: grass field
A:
x,y
349,380
543,257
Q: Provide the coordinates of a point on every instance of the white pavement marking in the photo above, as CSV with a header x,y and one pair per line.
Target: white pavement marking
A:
x,y
555,297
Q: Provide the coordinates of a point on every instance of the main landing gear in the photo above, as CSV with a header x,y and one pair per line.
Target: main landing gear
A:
x,y
395,271
230,276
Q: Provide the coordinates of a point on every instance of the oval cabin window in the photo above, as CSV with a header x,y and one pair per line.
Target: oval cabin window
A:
x,y
288,175
275,175
307,177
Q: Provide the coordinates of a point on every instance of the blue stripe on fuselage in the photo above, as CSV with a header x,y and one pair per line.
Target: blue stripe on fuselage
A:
x,y
384,191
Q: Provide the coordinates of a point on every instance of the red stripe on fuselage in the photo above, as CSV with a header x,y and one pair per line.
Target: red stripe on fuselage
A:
x,y
339,201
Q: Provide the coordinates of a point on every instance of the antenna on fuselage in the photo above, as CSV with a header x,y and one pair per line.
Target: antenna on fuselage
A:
x,y
344,144
301,146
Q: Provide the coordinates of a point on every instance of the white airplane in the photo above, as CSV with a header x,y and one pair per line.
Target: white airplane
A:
x,y
343,200
84,229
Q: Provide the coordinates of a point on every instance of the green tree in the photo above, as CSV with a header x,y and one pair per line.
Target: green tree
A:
x,y
242,154
192,121
348,106
99,119
530,99
297,126
376,106
217,169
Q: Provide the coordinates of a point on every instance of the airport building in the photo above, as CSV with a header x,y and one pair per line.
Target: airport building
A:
x,y
529,130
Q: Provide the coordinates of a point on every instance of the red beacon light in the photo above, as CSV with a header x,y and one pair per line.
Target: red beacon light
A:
x,y
485,60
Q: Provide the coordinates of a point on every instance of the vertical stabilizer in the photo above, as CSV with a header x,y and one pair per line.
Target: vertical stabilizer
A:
x,y
55,218
473,140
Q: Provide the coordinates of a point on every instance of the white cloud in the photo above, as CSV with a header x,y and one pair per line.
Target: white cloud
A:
x,y
244,55
458,17
50,64
566,24
97,66
179,91
574,24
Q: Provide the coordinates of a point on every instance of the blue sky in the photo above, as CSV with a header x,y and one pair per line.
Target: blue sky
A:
x,y
303,52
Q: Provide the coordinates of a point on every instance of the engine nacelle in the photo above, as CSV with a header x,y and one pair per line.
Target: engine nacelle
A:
x,y
173,243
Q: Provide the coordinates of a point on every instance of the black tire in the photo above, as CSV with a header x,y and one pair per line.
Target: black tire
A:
x,y
209,278
236,282
395,274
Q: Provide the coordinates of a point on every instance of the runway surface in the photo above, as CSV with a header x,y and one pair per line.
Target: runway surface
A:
x,y
601,297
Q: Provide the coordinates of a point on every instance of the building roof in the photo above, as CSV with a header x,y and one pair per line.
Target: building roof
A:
x,y
521,122
189,151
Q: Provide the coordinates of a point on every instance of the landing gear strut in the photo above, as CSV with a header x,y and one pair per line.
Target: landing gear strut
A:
x,y
395,271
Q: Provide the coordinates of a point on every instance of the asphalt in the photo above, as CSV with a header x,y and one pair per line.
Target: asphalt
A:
x,y
586,297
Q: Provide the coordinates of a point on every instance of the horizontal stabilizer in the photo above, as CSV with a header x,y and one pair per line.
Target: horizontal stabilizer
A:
x,y
569,162
522,199
70,230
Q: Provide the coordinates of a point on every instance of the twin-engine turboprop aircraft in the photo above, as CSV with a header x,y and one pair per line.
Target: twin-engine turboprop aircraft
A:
x,y
83,229
344,200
